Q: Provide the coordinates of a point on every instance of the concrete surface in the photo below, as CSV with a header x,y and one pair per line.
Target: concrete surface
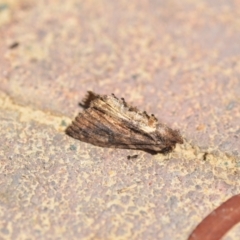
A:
x,y
178,60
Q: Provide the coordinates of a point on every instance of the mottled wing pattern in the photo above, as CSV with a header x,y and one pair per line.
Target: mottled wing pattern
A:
x,y
88,128
110,122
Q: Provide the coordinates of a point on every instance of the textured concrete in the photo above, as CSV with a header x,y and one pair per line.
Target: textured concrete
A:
x,y
178,60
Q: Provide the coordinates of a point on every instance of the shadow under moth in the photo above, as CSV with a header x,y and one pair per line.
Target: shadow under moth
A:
x,y
110,122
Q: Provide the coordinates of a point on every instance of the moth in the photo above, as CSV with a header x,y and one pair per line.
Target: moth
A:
x,y
110,122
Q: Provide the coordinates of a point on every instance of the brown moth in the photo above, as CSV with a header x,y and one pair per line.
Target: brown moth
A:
x,y
110,122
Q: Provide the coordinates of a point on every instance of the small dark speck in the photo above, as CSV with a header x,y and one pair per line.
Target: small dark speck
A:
x,y
73,147
198,187
135,76
132,157
205,156
63,123
14,45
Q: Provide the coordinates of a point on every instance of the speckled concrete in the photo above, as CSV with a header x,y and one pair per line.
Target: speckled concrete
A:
x,y
178,60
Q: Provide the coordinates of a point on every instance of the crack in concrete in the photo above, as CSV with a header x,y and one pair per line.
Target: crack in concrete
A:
x,y
27,113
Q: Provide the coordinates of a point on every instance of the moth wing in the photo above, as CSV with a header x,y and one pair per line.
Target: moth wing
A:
x,y
95,127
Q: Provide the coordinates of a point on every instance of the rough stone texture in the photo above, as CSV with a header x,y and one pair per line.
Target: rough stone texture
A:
x,y
176,59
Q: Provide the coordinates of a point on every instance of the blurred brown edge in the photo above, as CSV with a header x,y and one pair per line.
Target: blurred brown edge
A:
x,y
218,222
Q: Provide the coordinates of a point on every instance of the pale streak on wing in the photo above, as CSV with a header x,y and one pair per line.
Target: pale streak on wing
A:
x,y
117,110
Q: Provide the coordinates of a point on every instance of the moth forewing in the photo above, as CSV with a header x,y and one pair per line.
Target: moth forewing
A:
x,y
110,122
